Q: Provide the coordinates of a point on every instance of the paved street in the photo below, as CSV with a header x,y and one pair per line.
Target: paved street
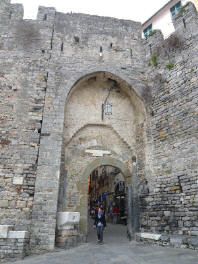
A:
x,y
115,250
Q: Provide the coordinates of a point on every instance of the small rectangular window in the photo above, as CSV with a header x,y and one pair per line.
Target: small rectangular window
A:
x,y
175,9
147,30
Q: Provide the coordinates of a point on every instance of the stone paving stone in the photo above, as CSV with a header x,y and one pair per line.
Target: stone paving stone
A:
x,y
116,250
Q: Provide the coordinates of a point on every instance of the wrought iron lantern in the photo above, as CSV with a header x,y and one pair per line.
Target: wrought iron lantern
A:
x,y
107,108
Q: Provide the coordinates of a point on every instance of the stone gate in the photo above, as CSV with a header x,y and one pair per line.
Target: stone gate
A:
x,y
57,74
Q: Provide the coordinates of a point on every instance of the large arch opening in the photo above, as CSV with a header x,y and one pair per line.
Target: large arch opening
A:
x,y
103,115
107,187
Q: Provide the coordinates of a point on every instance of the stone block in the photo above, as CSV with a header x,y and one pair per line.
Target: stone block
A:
x,y
4,229
3,203
194,233
176,240
175,188
67,220
97,153
18,180
193,241
150,236
21,204
167,213
18,234
68,232
61,239
165,238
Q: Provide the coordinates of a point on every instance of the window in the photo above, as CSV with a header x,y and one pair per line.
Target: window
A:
x,y
175,9
147,30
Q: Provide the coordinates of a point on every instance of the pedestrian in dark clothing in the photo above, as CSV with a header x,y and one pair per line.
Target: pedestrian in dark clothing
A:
x,y
100,224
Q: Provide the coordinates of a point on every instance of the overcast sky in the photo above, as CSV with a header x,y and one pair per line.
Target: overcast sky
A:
x,y
137,10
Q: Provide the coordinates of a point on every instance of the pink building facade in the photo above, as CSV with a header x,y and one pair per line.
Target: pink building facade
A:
x,y
162,19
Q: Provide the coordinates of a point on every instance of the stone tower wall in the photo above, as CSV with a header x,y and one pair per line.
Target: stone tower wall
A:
x,y
25,51
171,205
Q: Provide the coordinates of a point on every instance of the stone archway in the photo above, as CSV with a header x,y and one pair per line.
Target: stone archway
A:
x,y
108,161
103,161
88,134
65,146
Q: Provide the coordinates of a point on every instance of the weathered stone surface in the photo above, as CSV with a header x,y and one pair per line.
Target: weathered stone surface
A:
x,y
18,234
3,203
193,241
53,83
176,240
67,220
150,236
18,180
97,153
4,229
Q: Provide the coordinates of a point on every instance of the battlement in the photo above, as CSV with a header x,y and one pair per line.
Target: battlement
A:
x,y
186,28
186,17
92,23
46,13
10,11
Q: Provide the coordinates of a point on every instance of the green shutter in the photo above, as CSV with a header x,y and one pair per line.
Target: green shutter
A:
x,y
175,9
147,30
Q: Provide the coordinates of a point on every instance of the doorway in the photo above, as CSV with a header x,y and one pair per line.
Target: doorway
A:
x,y
107,187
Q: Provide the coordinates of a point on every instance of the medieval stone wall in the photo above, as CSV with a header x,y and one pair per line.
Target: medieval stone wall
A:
x,y
23,74
107,45
171,205
42,61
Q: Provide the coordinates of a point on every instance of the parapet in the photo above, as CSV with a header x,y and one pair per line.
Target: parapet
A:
x,y
67,22
46,13
92,24
187,15
185,24
10,11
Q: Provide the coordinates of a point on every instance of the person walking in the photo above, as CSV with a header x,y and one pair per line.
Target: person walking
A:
x,y
115,214
100,224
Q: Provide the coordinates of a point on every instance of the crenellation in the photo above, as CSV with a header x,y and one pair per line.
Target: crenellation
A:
x,y
186,19
16,12
46,14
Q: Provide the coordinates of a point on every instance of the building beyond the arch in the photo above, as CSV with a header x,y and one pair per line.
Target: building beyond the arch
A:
x,y
74,87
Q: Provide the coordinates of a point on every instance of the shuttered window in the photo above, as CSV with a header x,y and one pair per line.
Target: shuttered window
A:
x,y
175,9
147,30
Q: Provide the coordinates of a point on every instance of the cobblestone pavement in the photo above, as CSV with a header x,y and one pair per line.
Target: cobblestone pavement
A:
x,y
115,250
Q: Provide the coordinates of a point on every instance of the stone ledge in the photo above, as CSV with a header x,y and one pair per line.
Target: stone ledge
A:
x,y
67,220
179,241
149,236
4,229
18,234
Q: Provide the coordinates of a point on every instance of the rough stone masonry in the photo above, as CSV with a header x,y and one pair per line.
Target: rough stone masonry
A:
x,y
55,73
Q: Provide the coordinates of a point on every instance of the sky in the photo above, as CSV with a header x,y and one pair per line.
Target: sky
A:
x,y
137,10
